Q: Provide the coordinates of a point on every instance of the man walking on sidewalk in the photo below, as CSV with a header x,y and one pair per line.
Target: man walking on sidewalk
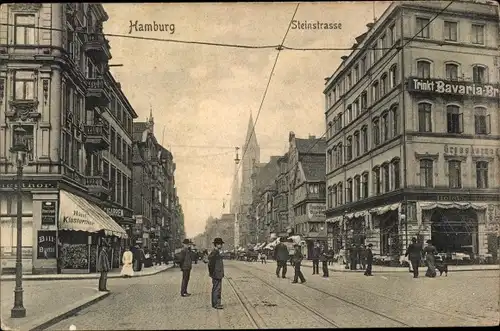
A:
x,y
415,255
281,256
103,268
297,261
369,260
324,261
186,263
216,272
315,258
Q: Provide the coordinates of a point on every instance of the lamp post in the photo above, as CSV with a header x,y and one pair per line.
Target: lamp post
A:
x,y
19,150
236,222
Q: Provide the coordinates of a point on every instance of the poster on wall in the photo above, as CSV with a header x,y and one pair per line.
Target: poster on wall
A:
x,y
46,245
48,213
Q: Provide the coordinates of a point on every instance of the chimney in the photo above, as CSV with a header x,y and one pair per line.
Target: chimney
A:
x,y
291,136
344,57
370,25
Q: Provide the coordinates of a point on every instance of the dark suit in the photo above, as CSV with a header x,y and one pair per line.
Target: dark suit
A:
x,y
315,258
185,262
216,272
414,252
297,261
281,256
103,268
369,261
323,258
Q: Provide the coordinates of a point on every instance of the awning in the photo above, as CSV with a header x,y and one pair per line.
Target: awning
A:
x,y
78,214
334,219
449,205
385,209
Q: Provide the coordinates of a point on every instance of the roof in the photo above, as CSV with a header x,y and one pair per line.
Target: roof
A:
x,y
311,146
266,174
314,167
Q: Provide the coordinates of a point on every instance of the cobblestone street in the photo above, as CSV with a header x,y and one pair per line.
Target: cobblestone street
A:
x,y
254,298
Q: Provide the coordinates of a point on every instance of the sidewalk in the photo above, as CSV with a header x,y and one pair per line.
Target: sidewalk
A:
x,y
113,274
377,268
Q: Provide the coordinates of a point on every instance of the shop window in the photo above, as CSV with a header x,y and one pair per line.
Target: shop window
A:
x,y
424,117
455,174
376,180
450,31
454,119
385,127
348,194
396,177
376,132
364,185
393,76
24,85
482,121
349,149
477,34
395,120
482,174
423,69
357,188
24,29
451,71
426,173
422,27
364,138
479,74
356,144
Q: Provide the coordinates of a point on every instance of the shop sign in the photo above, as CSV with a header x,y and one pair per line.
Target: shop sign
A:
x,y
462,198
28,185
474,150
316,210
79,218
117,212
46,245
49,212
439,86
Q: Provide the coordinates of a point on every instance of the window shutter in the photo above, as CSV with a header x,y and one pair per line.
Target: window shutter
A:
x,y
461,123
488,124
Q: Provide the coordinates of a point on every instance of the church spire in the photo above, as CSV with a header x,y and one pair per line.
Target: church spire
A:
x,y
251,138
151,121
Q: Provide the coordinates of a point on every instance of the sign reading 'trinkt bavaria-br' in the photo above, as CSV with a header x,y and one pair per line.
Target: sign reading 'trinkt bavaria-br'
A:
x,y
440,86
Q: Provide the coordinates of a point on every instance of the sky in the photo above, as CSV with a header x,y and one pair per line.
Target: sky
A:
x,y
202,96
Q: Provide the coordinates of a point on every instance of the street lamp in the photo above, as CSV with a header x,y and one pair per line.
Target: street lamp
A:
x,y
19,151
236,222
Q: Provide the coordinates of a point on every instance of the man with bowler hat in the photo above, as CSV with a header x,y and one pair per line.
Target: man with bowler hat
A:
x,y
185,262
297,261
369,260
103,267
281,255
216,272
414,252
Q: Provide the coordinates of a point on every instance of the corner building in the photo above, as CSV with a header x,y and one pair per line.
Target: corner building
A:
x,y
413,132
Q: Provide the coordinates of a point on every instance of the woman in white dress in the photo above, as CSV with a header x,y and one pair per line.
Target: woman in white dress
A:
x,y
127,269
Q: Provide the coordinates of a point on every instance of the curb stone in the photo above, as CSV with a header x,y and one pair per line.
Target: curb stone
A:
x,y
403,269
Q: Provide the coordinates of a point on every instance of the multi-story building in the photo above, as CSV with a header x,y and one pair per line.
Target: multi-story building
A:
x,y
432,170
58,97
307,186
280,200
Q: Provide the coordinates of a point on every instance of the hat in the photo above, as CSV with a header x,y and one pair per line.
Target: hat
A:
x,y
218,241
414,239
370,245
429,241
296,245
186,242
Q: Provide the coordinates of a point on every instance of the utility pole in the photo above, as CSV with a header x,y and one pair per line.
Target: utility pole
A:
x,y
236,221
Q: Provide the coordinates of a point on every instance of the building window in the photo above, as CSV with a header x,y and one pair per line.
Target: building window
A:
x,y
349,114
364,185
357,188
25,29
376,180
393,76
451,71
385,127
424,117
383,43
375,92
355,108
477,34
455,174
362,66
348,194
387,171
454,119
340,123
482,174
27,139
392,34
395,174
426,173
423,27
383,85
376,132
395,121
423,69
356,144
24,85
349,149
376,53
364,138
340,155
364,101
356,74
334,196
479,75
334,160
450,31
482,121
340,194
349,81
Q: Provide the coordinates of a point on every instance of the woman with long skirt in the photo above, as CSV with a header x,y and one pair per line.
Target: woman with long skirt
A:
x,y
127,269
430,252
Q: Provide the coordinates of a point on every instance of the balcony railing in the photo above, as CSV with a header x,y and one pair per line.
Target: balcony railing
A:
x,y
96,130
96,83
96,136
97,92
97,47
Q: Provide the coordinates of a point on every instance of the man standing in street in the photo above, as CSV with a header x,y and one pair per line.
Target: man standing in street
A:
x,y
103,268
369,260
324,260
281,256
415,255
186,263
315,258
297,261
216,272
353,252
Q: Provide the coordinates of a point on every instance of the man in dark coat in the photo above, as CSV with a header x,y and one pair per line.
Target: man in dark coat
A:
x,y
186,263
103,268
281,256
323,258
414,252
297,261
216,272
353,256
369,260
362,256
315,258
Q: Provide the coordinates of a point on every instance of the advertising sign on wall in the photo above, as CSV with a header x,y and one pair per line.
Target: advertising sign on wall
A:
x,y
316,210
49,212
465,88
46,245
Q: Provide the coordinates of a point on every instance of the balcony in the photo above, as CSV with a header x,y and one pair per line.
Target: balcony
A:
x,y
97,47
156,206
97,185
96,137
97,93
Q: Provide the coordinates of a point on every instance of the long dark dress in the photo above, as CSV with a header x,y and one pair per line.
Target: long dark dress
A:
x,y
430,252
